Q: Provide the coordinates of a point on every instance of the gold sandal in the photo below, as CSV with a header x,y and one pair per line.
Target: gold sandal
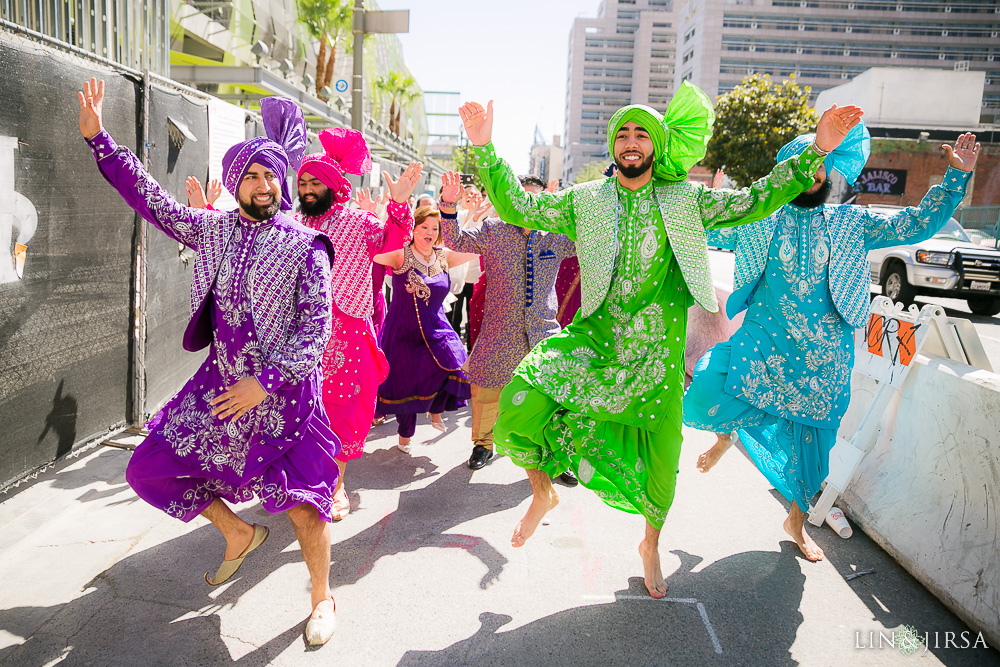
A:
x,y
229,567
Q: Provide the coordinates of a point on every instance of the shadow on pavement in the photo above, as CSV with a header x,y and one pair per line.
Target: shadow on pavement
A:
x,y
892,595
153,607
423,518
637,630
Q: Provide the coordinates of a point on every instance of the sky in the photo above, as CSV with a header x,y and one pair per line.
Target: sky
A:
x,y
511,51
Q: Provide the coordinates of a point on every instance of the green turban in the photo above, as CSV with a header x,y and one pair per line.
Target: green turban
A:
x,y
680,137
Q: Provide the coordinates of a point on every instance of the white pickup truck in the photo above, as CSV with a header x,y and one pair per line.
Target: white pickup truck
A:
x,y
947,265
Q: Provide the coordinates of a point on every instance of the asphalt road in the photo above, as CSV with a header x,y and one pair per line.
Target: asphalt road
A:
x,y
424,574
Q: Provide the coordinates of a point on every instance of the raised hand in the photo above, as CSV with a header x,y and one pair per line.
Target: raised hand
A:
x,y
834,125
364,200
472,201
452,187
91,101
553,185
214,191
478,122
965,153
195,195
401,188
480,211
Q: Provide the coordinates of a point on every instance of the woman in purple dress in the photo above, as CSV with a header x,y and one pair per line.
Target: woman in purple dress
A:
x,y
425,354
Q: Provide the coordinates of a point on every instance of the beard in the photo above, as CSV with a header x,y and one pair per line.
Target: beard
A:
x,y
636,170
815,199
259,212
318,207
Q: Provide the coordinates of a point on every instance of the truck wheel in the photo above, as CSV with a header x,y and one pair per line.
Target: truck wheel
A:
x,y
896,286
984,305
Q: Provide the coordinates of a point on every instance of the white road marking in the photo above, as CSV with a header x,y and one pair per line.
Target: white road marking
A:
x,y
701,611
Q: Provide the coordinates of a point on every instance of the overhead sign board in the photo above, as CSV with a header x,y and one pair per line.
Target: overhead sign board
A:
x,y
397,20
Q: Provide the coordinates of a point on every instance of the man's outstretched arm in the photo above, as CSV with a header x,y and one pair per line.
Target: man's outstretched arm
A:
x,y
914,224
123,170
725,208
546,211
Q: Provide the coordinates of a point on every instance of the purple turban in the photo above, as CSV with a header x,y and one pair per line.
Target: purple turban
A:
x,y
259,150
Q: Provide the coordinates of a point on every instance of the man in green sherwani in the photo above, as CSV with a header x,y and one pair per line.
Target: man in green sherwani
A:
x,y
604,397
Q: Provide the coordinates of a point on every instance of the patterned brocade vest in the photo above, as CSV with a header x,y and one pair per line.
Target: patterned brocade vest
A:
x,y
273,278
597,239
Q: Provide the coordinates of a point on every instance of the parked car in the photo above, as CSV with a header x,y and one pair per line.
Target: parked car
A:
x,y
947,265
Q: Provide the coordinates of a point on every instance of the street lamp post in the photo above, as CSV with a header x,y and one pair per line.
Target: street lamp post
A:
x,y
367,23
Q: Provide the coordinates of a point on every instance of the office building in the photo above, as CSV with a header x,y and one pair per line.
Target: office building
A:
x,y
716,43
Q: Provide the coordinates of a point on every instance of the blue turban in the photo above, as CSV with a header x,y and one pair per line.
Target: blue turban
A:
x,y
848,159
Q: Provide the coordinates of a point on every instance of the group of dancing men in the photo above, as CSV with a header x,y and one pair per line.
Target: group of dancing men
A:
x,y
295,372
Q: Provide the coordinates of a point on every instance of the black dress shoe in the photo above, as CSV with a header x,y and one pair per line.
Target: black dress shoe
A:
x,y
480,457
568,478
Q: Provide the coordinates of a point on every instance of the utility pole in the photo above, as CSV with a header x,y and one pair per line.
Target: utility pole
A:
x,y
367,23
357,92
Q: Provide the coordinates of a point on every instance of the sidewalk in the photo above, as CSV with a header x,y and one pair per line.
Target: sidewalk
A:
x,y
424,574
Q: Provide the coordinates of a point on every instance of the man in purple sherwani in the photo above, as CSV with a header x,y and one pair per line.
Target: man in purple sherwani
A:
x,y
250,423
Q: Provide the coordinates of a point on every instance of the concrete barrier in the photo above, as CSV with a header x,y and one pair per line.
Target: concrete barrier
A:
x,y
929,491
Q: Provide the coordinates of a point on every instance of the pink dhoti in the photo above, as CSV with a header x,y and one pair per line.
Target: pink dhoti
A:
x,y
353,368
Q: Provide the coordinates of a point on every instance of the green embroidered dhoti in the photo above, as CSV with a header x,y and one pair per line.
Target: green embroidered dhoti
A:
x,y
604,396
629,468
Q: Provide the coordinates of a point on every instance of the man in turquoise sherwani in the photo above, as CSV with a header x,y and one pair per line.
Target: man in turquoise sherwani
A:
x,y
782,382
604,396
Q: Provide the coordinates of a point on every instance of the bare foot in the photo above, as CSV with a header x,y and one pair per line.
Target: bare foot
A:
x,y
797,530
651,574
540,504
708,460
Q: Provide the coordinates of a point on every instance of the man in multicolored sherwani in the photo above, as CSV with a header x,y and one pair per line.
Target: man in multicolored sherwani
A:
x,y
783,381
519,306
353,364
604,396
250,423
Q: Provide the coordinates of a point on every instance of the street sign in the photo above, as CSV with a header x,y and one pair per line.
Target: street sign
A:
x,y
397,20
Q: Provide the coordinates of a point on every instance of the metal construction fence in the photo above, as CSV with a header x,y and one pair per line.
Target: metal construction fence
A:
x,y
93,300
982,220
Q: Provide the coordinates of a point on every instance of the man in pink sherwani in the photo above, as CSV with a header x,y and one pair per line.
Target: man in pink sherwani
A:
x,y
353,364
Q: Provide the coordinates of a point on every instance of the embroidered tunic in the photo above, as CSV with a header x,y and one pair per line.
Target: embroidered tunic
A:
x,y
353,364
520,270
605,396
783,380
265,313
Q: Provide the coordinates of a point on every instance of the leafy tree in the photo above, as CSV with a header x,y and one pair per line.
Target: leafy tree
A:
x,y
328,21
402,90
591,171
753,122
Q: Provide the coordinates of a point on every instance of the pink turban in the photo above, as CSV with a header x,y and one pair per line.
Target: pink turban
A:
x,y
345,152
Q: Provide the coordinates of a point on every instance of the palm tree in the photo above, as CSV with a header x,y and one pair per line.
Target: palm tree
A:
x,y
328,21
402,90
